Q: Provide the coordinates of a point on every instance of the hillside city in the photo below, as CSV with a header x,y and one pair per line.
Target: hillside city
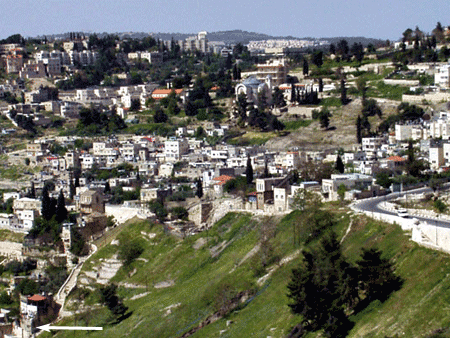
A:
x,y
116,151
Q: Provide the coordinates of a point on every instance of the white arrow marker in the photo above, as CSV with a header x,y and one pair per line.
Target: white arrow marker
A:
x,y
47,328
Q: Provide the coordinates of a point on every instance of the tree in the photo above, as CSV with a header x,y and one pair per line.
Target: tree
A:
x,y
32,193
47,204
320,85
332,49
344,99
135,105
383,179
109,297
377,276
242,106
249,171
342,47
305,67
339,165
440,206
61,210
199,191
371,108
266,169
359,129
323,288
324,117
317,58
341,191
278,98
361,85
160,116
306,200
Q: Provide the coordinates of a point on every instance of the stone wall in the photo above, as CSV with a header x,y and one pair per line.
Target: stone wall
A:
x,y
11,249
400,82
432,97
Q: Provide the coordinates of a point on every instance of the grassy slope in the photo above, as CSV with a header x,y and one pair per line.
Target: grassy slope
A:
x,y
203,282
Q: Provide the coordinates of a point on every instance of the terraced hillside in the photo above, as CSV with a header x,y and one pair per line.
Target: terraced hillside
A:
x,y
230,281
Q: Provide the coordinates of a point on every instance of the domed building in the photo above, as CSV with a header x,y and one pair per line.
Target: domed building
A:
x,y
251,87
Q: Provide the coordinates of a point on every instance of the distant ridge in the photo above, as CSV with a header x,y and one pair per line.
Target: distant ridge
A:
x,y
228,37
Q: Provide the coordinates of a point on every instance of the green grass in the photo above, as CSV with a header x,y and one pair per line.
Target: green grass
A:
x,y
203,282
381,90
294,125
10,236
331,102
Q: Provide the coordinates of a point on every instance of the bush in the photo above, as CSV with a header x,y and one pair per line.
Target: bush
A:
x,y
129,249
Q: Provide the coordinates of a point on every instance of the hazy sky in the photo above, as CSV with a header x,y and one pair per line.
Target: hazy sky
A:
x,y
385,19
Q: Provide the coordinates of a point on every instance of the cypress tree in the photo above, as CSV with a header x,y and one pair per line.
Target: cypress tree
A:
x,y
199,192
249,171
47,205
343,92
61,210
359,129
339,165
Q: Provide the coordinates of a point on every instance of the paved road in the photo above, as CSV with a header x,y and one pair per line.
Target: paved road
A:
x,y
372,205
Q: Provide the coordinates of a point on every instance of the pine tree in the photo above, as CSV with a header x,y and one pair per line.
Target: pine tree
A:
x,y
249,171
61,210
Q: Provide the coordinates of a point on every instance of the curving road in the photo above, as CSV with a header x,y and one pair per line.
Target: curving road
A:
x,y
372,205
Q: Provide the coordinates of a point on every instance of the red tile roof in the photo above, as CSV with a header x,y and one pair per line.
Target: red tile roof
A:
x,y
36,298
223,178
396,159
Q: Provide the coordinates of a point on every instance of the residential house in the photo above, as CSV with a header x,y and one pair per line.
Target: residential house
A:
x,y
90,201
175,148
350,181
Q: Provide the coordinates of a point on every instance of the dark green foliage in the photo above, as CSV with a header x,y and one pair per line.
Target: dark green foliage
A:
x,y
371,108
48,207
440,206
323,288
278,98
118,195
179,213
43,228
27,287
61,210
344,99
359,129
78,246
7,207
377,278
157,207
237,184
135,105
55,278
199,191
249,171
327,287
93,121
5,299
339,166
160,116
24,267
109,297
383,179
305,67
129,249
317,58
